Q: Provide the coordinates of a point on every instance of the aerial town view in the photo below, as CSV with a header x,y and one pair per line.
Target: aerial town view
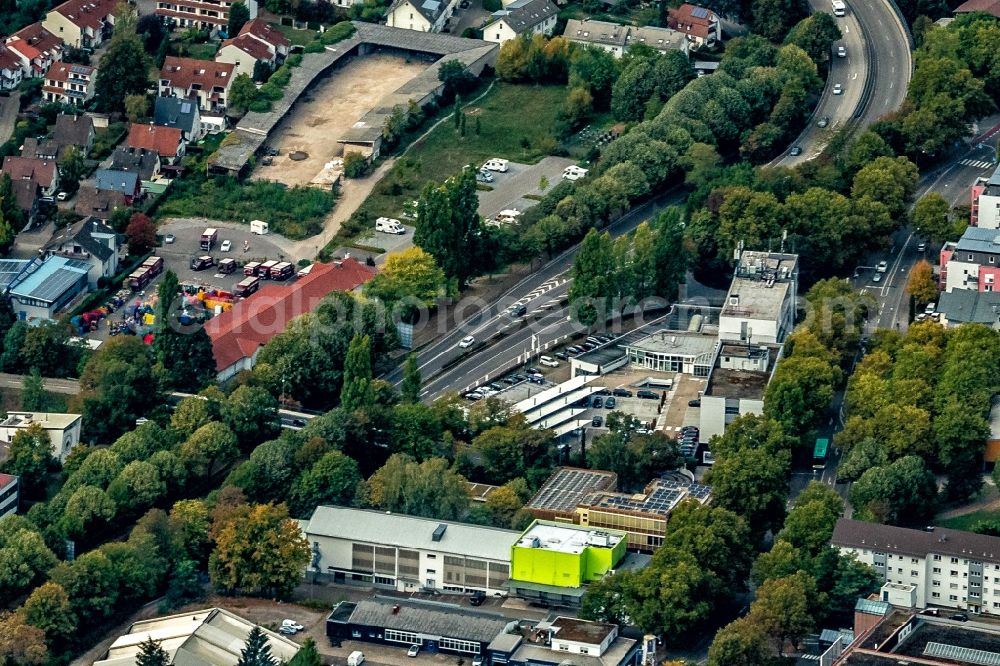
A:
x,y
500,332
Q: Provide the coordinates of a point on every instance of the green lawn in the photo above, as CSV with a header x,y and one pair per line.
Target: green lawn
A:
x,y
503,132
204,51
966,521
297,37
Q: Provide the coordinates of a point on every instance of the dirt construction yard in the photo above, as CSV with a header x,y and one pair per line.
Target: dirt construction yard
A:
x,y
326,110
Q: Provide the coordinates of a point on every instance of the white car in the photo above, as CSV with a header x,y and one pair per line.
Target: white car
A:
x,y
467,342
292,624
62,196
413,651
574,172
168,239
484,176
838,89
882,266
841,51
877,277
496,164
226,246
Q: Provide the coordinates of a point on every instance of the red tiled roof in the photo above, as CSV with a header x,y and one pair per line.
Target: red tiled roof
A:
x,y
87,13
264,32
27,168
183,72
8,59
988,6
683,19
162,140
240,331
25,193
6,480
36,37
255,48
202,18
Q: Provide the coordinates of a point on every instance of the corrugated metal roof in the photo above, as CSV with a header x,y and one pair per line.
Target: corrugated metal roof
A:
x,y
871,607
431,618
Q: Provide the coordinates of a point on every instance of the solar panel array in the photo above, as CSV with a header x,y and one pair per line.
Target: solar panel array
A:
x,y
566,487
661,500
956,653
10,269
699,12
56,284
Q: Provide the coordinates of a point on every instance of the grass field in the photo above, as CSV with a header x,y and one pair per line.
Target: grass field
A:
x,y
966,521
297,37
503,132
204,51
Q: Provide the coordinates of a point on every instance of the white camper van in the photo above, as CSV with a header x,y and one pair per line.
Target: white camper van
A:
x,y
258,227
389,225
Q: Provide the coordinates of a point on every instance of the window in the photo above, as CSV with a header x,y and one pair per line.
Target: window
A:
x,y
936,595
954,573
564,647
913,573
899,569
431,556
953,586
953,597
584,650
936,583
937,570
913,560
937,558
954,560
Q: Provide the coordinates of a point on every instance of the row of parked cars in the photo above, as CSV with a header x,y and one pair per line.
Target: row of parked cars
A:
x,y
533,375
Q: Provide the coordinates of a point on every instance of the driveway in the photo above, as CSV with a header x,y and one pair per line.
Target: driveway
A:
x,y
509,189
472,17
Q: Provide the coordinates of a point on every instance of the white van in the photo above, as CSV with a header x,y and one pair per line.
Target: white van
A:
x,y
574,172
356,658
389,225
496,164
258,227
549,362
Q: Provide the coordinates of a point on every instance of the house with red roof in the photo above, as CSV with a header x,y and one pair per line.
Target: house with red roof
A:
x,y
10,69
82,24
991,7
36,48
700,24
239,333
200,14
189,78
257,42
167,142
69,84
43,172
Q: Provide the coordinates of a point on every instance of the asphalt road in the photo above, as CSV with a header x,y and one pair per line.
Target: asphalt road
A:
x,y
869,23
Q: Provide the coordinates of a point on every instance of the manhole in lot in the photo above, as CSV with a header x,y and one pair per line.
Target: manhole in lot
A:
x,y
298,156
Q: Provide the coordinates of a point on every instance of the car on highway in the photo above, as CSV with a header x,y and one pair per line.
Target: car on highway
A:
x,y
795,151
413,651
841,51
467,342
823,122
838,89
921,247
226,246
882,266
517,310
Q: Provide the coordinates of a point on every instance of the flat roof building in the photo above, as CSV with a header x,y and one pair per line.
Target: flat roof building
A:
x,y
567,640
408,553
39,293
559,496
674,351
557,555
209,637
760,305
63,429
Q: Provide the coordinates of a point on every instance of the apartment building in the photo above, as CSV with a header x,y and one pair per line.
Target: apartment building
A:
x,y
927,568
973,262
201,14
985,204
188,78
36,48
8,495
10,69
82,24
69,84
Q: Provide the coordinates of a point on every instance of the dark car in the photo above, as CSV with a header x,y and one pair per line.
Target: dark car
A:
x,y
694,403
597,421
533,371
795,151
517,310
622,393
959,617
589,346
510,380
610,403
497,386
273,152
201,263
562,356
477,598
298,423
519,378
536,379
597,403
574,350
603,391
648,395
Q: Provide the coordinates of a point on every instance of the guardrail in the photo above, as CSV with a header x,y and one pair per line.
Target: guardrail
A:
x,y
902,21
871,71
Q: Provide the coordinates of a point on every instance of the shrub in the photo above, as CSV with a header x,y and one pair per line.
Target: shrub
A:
x,y
356,165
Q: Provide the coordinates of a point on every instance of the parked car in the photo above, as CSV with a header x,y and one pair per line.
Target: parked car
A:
x,y
467,342
823,122
519,378
921,247
497,386
477,660
484,176
574,350
169,238
473,395
597,421
562,356
62,196
694,403
622,393
533,371
226,246
648,395
610,403
877,277
596,403
496,164
841,51
287,631
477,598
509,379
413,651
959,617
293,624
883,266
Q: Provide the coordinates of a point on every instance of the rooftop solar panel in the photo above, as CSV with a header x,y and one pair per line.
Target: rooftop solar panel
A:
x,y
956,653
699,12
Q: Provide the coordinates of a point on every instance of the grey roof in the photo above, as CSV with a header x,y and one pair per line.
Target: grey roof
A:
x,y
872,607
979,239
50,280
661,39
394,529
523,15
676,343
137,160
111,180
175,112
891,539
73,130
10,269
596,32
429,9
830,635
531,653
431,618
568,486
970,306
82,233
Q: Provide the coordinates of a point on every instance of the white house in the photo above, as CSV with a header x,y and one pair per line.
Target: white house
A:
x,y
81,24
521,17
612,37
422,15
408,553
257,42
90,240
10,69
63,429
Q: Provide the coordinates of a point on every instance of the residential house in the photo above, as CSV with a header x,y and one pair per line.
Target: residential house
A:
x,y
100,203
701,25
126,183
521,17
36,48
257,42
82,24
934,567
181,114
69,84
200,14
167,142
422,15
90,241
145,163
9,495
969,306
63,429
188,78
661,39
973,262
991,7
46,149
11,72
44,173
611,37
985,204
74,130
208,637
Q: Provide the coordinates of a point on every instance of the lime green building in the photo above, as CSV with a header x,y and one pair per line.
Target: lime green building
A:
x,y
558,559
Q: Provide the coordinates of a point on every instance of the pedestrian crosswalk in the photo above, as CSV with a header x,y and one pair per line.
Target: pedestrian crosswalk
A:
x,y
979,164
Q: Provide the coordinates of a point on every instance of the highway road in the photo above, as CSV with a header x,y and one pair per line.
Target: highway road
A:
x,y
878,56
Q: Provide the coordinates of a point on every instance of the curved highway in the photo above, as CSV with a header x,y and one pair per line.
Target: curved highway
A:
x,y
873,75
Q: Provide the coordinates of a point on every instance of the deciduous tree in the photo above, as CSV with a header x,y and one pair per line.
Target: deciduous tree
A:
x,y
141,234
48,608
921,283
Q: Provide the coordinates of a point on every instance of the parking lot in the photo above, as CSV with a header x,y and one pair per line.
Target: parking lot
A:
x,y
510,188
